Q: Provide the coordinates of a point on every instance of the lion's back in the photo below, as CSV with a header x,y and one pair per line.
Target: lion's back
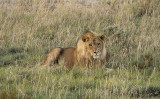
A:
x,y
68,55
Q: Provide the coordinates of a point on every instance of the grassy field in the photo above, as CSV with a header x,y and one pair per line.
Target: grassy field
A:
x,y
30,28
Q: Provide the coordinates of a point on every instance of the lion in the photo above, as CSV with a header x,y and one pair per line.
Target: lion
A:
x,y
89,50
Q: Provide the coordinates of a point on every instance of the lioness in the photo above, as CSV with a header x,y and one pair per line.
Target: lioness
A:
x,y
89,50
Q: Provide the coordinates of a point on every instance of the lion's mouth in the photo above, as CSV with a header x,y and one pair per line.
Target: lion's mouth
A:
x,y
96,56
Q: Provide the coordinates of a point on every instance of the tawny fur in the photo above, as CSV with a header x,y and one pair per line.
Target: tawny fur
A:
x,y
81,54
51,57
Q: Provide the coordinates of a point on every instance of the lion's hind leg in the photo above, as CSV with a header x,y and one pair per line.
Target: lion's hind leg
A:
x,y
52,57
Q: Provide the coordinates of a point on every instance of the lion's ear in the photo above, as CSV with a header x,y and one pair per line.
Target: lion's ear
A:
x,y
102,37
85,38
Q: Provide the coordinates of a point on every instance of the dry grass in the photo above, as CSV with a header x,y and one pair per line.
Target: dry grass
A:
x,y
30,28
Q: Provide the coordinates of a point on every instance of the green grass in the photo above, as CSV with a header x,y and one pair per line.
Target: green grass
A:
x,y
39,82
28,30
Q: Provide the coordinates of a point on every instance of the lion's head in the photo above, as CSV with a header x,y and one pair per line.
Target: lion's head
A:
x,y
92,45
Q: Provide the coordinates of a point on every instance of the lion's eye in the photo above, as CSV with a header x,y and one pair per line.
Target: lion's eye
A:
x,y
90,45
98,43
